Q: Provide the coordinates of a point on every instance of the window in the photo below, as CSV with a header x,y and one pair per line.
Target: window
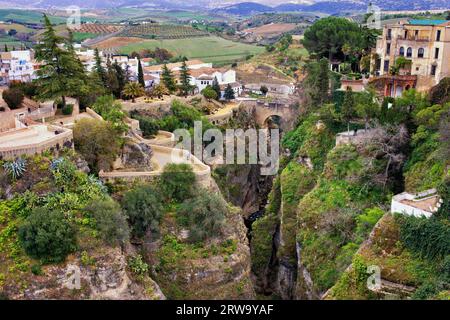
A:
x,y
436,53
389,34
420,53
406,34
416,33
438,35
386,65
388,49
402,51
433,70
409,52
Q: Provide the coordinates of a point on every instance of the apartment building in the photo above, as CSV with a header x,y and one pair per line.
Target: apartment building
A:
x,y
426,43
17,66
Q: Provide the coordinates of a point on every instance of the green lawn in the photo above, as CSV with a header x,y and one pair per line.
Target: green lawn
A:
x,y
81,36
209,49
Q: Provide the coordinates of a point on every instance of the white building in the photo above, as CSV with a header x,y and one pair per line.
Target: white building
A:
x,y
17,66
421,204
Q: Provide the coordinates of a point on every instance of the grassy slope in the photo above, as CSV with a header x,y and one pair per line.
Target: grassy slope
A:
x,y
209,49
26,16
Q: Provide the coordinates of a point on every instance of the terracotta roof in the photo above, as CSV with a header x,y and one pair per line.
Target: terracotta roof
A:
x,y
5,55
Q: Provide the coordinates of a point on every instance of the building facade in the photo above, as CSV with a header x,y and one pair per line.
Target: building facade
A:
x,y
17,66
425,43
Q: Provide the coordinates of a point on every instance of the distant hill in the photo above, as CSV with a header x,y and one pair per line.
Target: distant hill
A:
x,y
245,9
330,7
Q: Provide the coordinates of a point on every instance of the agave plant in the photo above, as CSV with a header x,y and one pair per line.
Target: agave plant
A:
x,y
55,163
15,168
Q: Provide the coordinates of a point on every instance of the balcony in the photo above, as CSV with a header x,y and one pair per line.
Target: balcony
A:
x,y
414,38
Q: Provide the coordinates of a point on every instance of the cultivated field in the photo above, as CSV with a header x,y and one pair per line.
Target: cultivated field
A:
x,y
98,28
209,49
162,31
116,42
16,26
271,29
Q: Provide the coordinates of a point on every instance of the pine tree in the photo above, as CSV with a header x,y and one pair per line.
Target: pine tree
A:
x,y
62,73
98,67
185,78
168,80
229,93
216,87
141,74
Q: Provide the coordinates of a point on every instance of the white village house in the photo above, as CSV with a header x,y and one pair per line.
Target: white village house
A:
x,y
17,66
424,203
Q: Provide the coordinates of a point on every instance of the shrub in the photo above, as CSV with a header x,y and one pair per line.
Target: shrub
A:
x,y
138,266
429,238
98,142
144,209
13,97
204,215
67,109
47,235
177,181
109,221
16,168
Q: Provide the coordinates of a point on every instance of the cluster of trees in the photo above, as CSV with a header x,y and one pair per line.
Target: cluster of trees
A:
x,y
160,55
339,38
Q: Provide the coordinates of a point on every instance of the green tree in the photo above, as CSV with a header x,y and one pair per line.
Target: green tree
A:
x,y
121,78
144,209
133,90
159,91
326,37
185,78
216,87
13,97
264,90
204,215
111,110
98,142
47,235
112,83
229,93
109,221
99,69
178,181
141,74
318,82
348,108
61,73
209,93
168,79
367,107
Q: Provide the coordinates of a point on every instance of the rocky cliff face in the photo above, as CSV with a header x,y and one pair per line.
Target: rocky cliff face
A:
x,y
102,274
216,269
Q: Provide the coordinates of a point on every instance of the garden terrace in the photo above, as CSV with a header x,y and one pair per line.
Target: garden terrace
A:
x,y
33,139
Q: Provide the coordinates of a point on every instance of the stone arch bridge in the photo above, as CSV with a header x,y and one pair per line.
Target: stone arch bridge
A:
x,y
262,111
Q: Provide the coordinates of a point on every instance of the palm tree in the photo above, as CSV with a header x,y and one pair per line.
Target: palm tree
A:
x,y
133,90
159,91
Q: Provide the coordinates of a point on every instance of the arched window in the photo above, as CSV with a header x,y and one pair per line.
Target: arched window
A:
x,y
409,52
402,51
420,53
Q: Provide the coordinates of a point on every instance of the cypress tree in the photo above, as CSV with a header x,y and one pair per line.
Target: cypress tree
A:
x,y
99,68
185,78
216,86
141,74
229,93
168,80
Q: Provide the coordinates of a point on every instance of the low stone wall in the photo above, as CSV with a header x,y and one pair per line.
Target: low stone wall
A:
x,y
350,137
201,170
93,114
57,142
